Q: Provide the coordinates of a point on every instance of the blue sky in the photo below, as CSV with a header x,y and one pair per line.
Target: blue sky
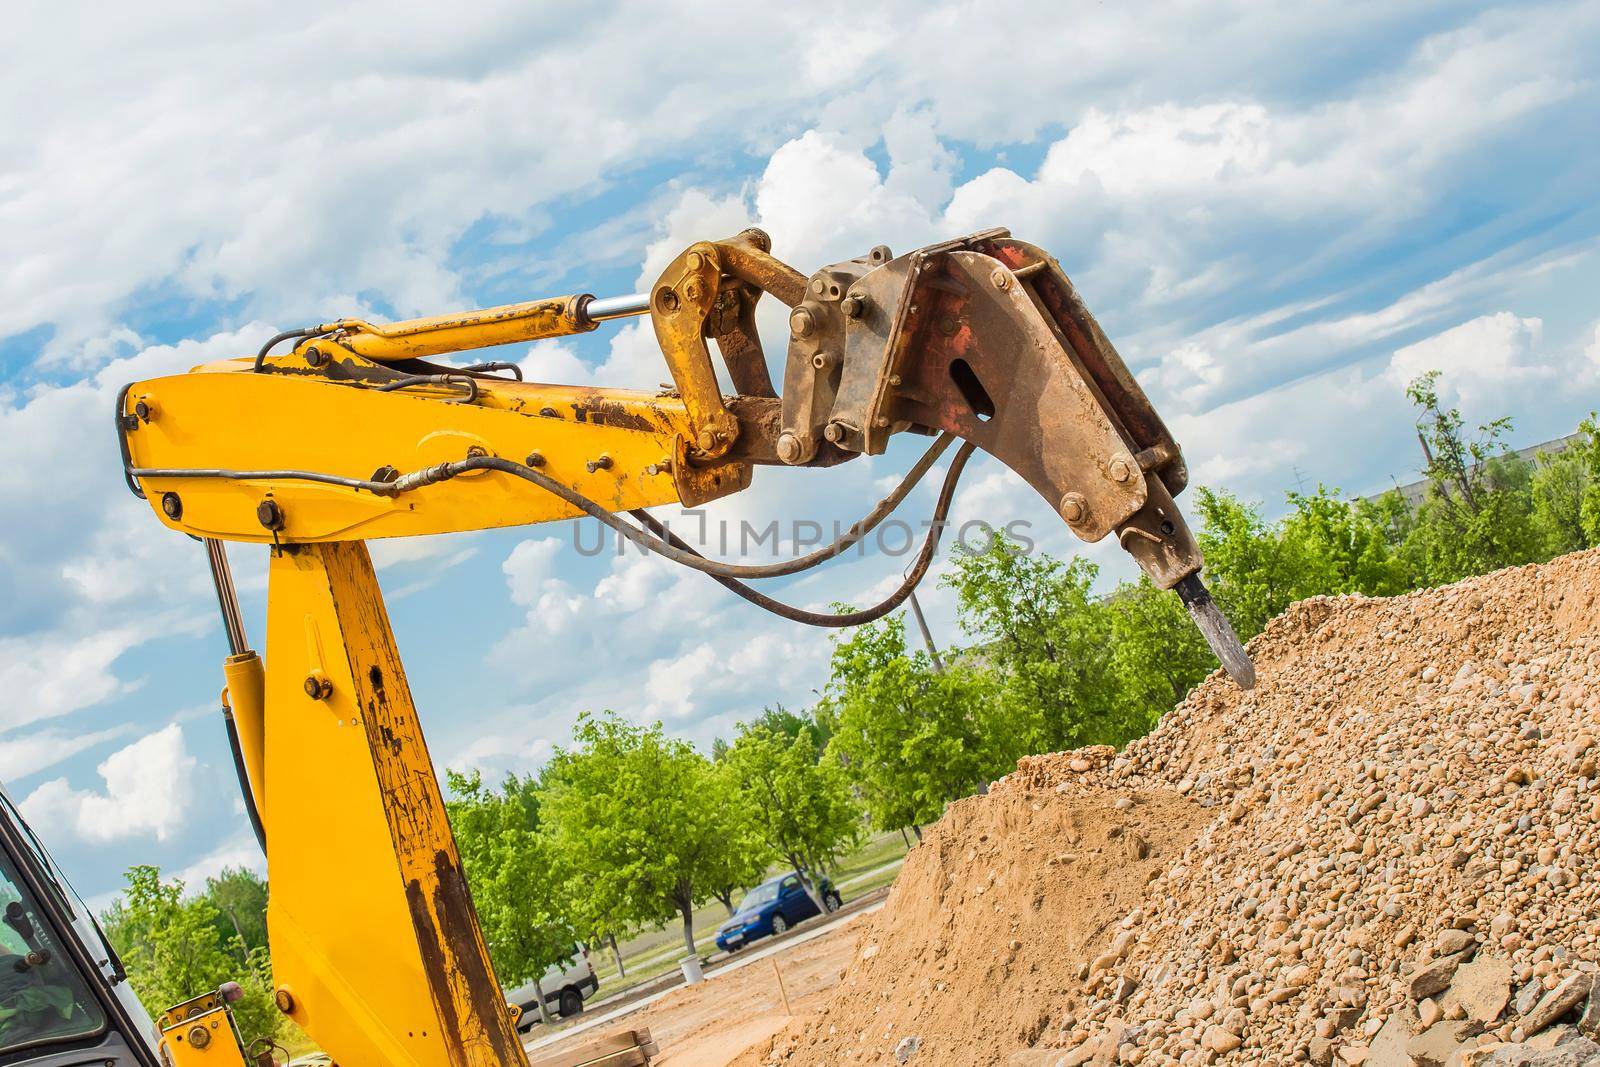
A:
x,y
1279,218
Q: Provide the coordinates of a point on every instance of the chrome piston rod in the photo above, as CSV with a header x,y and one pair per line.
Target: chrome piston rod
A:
x,y
604,308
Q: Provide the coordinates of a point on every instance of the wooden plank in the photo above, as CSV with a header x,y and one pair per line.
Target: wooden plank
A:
x,y
596,1050
631,1057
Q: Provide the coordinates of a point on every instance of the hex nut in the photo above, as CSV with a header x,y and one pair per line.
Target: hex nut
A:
x,y
801,324
1074,507
788,447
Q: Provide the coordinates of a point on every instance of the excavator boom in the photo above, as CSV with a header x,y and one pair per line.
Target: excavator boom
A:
x,y
356,432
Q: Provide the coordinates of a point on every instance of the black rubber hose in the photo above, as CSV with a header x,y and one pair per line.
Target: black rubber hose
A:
x,y
930,545
244,780
277,339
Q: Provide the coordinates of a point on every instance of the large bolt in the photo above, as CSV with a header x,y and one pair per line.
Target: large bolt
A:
x,y
854,306
283,999
801,323
666,300
822,360
316,356
694,260
172,506
1120,471
834,432
708,439
789,447
317,686
1074,507
269,514
145,408
603,463
1001,279
199,1036
534,459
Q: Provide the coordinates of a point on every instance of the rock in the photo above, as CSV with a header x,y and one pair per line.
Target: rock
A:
x,y
907,1048
1556,1035
1579,1053
1320,1051
1434,978
1355,1055
1434,1046
1482,988
1389,1046
1589,1021
1563,998
1429,1012
1220,1040
1453,941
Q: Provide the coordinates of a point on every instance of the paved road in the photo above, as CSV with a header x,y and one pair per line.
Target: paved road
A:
x,y
729,965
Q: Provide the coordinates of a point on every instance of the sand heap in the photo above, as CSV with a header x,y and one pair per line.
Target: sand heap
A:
x,y
1385,854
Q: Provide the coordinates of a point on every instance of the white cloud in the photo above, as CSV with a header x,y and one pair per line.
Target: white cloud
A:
x,y
1480,359
35,752
145,794
48,675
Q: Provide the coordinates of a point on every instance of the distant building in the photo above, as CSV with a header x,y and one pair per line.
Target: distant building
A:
x,y
1415,493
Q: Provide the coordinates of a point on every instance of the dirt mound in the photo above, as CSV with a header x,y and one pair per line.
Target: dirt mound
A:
x,y
1296,873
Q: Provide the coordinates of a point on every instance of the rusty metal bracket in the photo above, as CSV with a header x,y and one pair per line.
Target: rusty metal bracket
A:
x,y
985,337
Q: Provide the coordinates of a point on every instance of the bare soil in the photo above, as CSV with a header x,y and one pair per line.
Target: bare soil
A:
x,y
707,1025
1260,879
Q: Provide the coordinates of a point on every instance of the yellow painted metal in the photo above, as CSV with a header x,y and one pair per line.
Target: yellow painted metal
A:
x,y
246,696
415,338
243,421
200,1033
375,946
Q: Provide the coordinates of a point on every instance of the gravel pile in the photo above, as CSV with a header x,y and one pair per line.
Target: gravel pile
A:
x,y
1385,854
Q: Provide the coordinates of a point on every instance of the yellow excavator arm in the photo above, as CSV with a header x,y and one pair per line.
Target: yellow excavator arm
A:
x,y
355,432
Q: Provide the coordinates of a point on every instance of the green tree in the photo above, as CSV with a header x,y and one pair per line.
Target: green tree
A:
x,y
1478,515
1156,650
801,803
912,739
1042,628
174,949
1560,484
517,882
240,897
742,860
627,808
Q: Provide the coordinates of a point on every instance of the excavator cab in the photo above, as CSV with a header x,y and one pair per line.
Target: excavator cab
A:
x,y
64,997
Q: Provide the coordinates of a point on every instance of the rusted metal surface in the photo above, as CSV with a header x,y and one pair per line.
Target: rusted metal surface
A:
x,y
681,302
416,338
985,337
473,1023
1095,355
748,258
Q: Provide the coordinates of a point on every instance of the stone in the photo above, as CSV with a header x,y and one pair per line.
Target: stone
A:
x,y
1482,988
1589,1021
907,1048
1434,978
1320,1051
1434,1046
1218,1039
1389,1046
1563,998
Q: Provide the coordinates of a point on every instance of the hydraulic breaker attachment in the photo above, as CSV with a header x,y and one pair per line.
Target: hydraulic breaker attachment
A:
x,y
985,337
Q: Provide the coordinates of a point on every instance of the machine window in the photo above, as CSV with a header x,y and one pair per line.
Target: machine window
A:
x,y
43,997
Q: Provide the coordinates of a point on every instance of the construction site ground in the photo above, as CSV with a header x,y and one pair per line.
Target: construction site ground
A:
x,y
739,1005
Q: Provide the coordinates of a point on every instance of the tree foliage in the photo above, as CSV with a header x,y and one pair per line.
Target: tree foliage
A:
x,y
639,818
802,808
174,949
517,879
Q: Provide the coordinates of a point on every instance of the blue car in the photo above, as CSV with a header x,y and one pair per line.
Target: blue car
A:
x,y
773,907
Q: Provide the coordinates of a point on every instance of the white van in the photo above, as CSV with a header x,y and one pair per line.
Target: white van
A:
x,y
565,989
